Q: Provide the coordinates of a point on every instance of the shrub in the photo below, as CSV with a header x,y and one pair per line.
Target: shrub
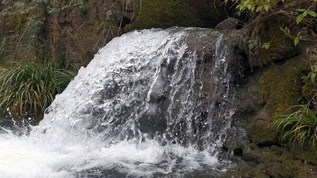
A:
x,y
30,87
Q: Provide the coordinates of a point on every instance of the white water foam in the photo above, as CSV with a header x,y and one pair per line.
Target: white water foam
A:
x,y
22,157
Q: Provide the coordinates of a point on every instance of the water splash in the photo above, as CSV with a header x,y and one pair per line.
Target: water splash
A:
x,y
147,105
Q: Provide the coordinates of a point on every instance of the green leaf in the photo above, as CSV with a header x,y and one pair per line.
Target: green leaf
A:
x,y
313,76
298,34
255,42
249,6
301,10
252,8
296,40
299,18
250,46
305,14
266,7
259,8
312,13
266,45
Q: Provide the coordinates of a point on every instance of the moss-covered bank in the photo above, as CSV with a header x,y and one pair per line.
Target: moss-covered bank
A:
x,y
282,82
187,13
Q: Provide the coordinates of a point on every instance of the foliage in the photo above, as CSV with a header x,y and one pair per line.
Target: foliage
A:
x,y
83,8
57,6
266,45
300,126
251,44
252,5
312,73
31,87
305,14
41,1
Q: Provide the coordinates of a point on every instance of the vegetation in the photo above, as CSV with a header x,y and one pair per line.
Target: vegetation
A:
x,y
300,126
30,87
279,23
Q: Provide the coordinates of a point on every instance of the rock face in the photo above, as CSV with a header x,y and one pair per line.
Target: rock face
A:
x,y
76,30
69,30
21,26
260,152
188,13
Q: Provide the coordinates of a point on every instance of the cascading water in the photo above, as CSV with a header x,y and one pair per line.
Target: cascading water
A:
x,y
148,105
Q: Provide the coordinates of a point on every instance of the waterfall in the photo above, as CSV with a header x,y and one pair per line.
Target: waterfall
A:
x,y
152,103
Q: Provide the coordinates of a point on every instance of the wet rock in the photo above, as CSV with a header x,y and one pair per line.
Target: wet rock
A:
x,y
307,154
236,141
248,96
230,24
259,131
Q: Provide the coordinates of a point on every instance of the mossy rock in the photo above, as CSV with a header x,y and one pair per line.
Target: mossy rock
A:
x,y
273,161
281,85
281,89
309,89
307,154
267,29
259,131
296,168
168,13
288,168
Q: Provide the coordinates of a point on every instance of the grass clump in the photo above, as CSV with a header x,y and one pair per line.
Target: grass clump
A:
x,y
301,125
29,88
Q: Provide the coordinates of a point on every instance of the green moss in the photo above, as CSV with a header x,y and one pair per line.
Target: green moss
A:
x,y
281,89
309,89
258,129
168,13
281,85
273,162
261,134
308,154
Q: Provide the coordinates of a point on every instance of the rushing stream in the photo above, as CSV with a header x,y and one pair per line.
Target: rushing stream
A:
x,y
146,106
